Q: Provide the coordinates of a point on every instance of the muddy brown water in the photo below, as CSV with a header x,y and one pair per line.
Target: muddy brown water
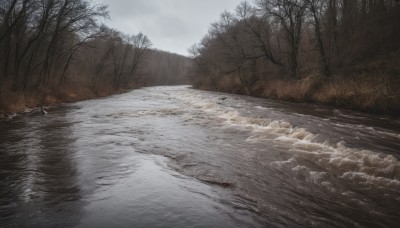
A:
x,y
178,157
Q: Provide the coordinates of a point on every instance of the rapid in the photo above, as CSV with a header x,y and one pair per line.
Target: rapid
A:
x,y
179,157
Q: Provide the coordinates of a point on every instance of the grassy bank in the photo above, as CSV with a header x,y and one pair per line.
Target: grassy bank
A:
x,y
14,102
360,89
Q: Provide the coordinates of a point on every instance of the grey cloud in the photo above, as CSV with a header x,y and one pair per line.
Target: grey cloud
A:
x,y
172,25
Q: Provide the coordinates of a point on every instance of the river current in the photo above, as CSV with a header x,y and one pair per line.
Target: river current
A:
x,y
179,157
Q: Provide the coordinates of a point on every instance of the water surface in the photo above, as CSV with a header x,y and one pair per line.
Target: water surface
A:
x,y
178,157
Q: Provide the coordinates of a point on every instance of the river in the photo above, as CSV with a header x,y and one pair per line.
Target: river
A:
x,y
179,157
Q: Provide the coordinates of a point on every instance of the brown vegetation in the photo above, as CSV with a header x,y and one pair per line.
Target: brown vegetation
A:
x,y
54,50
339,52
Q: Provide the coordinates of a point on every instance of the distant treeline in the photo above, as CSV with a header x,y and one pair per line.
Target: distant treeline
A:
x,y
56,50
166,68
342,52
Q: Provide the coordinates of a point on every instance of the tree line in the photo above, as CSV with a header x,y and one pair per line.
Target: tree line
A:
x,y
295,40
166,69
48,45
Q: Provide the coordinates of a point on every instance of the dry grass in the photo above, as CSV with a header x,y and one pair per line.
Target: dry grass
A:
x,y
373,94
283,90
11,101
368,92
231,85
311,84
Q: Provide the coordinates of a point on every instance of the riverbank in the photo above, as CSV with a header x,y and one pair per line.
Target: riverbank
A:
x,y
365,92
14,102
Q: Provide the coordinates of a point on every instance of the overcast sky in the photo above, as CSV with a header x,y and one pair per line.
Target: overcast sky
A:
x,y
171,25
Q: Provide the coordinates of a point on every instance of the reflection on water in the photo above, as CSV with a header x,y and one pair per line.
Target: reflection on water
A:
x,y
38,172
177,157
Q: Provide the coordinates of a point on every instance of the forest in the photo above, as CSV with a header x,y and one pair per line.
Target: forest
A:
x,y
165,68
338,52
58,50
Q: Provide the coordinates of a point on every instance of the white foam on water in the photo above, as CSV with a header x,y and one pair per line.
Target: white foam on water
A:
x,y
12,116
317,177
279,164
372,180
146,113
370,129
362,166
301,168
262,108
353,164
389,134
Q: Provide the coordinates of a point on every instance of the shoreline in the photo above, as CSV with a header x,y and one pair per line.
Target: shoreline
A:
x,y
35,106
54,100
343,103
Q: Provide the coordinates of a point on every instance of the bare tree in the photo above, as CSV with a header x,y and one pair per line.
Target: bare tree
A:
x,y
289,14
261,32
316,10
141,45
